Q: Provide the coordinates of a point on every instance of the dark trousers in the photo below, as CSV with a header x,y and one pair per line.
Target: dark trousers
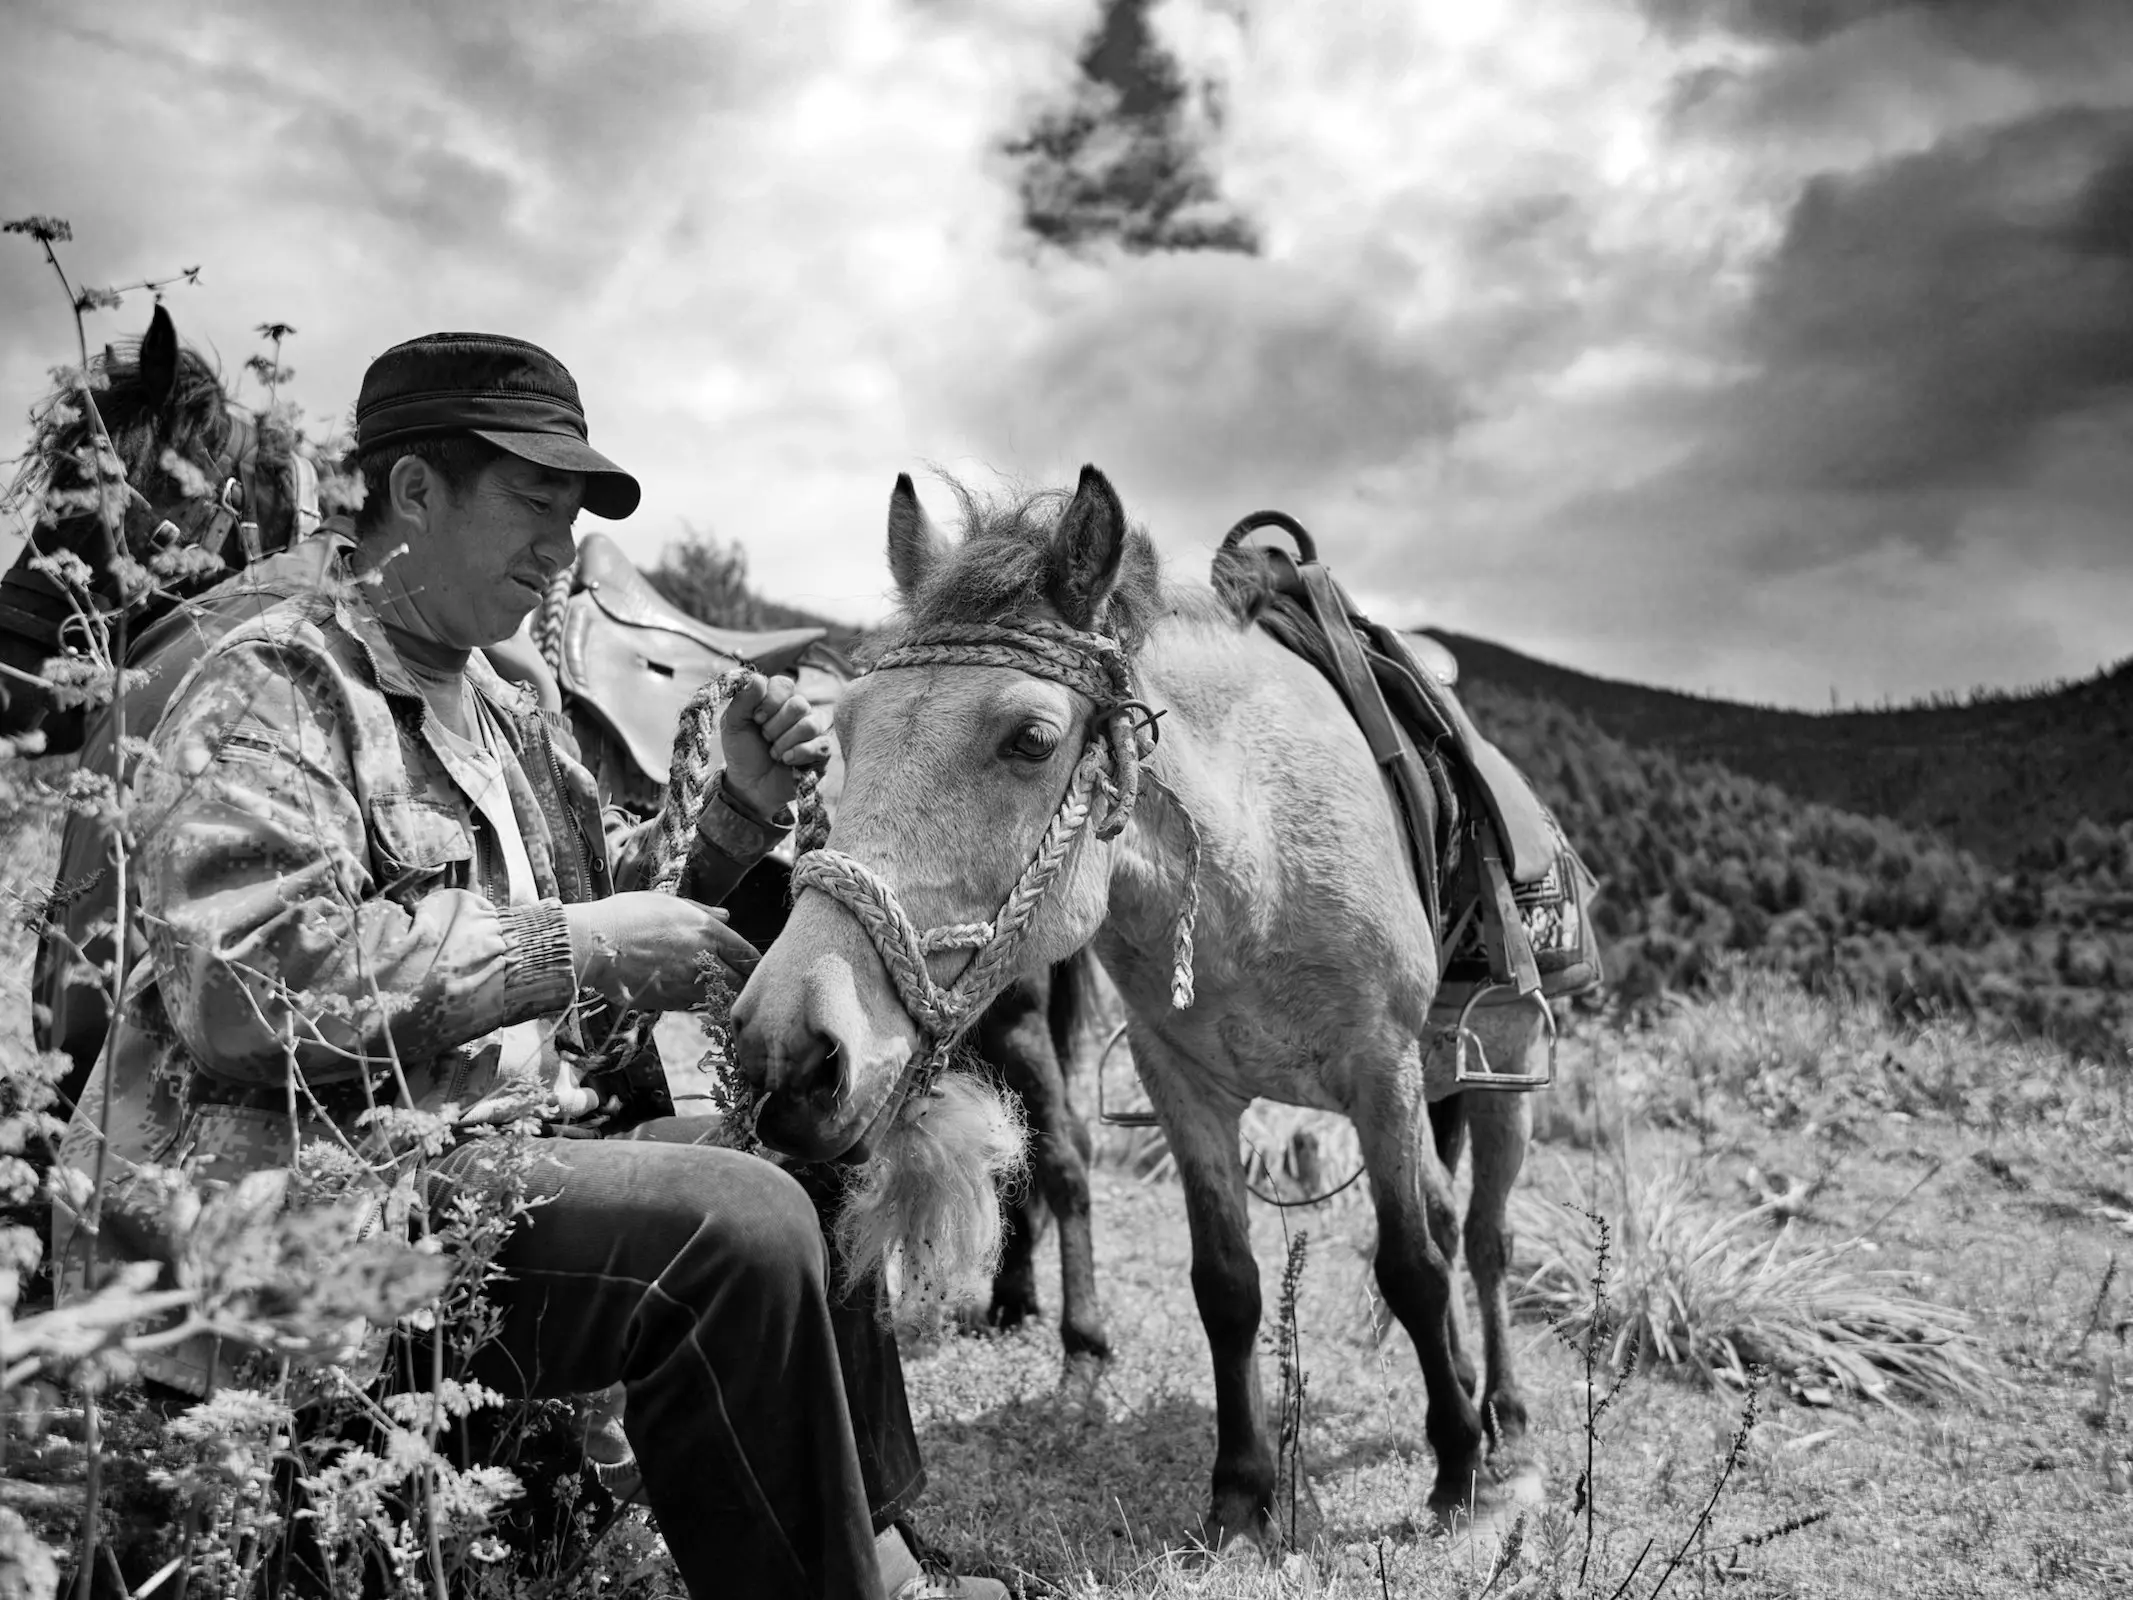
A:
x,y
768,1417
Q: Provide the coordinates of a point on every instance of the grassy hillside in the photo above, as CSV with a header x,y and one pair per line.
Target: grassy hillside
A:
x,y
2007,777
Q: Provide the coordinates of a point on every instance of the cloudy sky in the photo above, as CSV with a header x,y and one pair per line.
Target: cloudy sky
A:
x,y
1762,347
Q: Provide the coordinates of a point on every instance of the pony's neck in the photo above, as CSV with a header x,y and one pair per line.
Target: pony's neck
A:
x,y
1185,841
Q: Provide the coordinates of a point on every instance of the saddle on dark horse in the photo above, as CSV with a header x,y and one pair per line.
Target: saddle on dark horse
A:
x,y
1510,906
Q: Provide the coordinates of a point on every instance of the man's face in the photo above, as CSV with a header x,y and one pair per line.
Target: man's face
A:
x,y
484,556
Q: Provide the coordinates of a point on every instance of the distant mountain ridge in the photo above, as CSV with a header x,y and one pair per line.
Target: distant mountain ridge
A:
x,y
1996,776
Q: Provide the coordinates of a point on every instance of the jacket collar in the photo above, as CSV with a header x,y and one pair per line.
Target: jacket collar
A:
x,y
353,610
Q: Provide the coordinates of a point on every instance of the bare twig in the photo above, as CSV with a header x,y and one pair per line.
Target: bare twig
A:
x,y
1750,1409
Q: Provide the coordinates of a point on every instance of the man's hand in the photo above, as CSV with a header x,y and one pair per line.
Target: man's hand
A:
x,y
640,950
770,733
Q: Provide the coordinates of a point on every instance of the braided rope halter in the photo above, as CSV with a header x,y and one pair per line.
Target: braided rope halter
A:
x,y
1100,795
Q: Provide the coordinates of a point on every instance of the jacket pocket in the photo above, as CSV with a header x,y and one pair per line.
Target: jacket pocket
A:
x,y
415,837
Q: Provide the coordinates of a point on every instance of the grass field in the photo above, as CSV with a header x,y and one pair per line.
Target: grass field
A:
x,y
1993,1182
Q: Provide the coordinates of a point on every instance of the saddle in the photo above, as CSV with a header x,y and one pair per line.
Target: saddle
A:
x,y
1509,911
632,659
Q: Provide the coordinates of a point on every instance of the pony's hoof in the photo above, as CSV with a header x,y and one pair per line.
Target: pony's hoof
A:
x,y
1009,1310
1492,1504
1079,1375
1505,1417
1237,1529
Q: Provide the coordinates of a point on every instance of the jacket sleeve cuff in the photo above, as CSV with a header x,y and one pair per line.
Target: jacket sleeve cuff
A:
x,y
539,979
730,839
734,829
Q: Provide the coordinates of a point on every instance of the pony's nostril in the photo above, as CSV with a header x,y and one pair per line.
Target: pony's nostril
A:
x,y
815,1068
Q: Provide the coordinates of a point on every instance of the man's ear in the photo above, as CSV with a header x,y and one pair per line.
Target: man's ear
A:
x,y
414,491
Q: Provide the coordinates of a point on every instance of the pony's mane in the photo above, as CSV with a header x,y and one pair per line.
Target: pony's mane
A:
x,y
1002,571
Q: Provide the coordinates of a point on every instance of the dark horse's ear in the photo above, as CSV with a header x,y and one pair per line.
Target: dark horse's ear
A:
x,y
1087,550
159,359
915,545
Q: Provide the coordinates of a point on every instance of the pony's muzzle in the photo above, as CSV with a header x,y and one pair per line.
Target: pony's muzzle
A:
x,y
803,1043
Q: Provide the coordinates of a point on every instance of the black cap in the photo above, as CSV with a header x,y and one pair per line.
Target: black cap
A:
x,y
513,394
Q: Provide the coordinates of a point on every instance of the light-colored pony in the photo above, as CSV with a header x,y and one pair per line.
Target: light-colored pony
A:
x,y
1313,966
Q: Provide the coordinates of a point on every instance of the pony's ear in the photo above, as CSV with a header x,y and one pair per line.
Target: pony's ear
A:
x,y
915,545
1087,550
159,358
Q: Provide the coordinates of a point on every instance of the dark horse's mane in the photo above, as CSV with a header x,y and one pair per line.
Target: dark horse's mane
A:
x,y
1002,571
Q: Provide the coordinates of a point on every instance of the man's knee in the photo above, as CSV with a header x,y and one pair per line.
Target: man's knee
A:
x,y
759,1224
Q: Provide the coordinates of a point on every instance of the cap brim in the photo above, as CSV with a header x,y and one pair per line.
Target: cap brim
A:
x,y
609,491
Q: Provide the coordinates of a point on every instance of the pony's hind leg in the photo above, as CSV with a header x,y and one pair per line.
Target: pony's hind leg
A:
x,y
1502,1125
1447,1126
1412,1193
1201,1125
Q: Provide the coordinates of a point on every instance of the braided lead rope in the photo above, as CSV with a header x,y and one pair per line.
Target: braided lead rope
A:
x,y
695,762
548,619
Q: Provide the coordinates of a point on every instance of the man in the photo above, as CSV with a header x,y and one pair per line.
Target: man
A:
x,y
368,862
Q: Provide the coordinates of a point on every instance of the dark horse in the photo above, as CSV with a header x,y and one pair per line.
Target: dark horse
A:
x,y
200,474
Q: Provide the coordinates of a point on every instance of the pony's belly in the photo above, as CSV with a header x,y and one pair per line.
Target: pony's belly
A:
x,y
1270,1058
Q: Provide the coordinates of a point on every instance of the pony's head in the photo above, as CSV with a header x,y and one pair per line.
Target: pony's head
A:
x,y
989,757
187,471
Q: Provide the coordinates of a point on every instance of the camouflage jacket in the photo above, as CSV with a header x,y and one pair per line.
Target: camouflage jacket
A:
x,y
72,1009
323,905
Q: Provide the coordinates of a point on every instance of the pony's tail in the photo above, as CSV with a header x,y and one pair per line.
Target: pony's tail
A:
x,y
927,1202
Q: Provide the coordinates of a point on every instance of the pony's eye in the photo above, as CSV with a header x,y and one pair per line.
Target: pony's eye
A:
x,y
1034,741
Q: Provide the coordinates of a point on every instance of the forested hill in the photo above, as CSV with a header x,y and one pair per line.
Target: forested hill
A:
x,y
1700,862
1999,775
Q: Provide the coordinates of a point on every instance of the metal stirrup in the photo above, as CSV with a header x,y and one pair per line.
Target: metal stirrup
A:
x,y
1485,1077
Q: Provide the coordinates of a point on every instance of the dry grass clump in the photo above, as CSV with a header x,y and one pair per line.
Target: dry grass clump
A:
x,y
1713,1293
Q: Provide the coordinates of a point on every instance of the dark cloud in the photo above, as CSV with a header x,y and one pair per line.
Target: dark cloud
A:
x,y
1926,321
1841,61
1120,162
1809,22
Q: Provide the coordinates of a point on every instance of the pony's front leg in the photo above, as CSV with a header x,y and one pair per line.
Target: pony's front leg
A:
x,y
1200,1123
1016,1035
1413,1197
